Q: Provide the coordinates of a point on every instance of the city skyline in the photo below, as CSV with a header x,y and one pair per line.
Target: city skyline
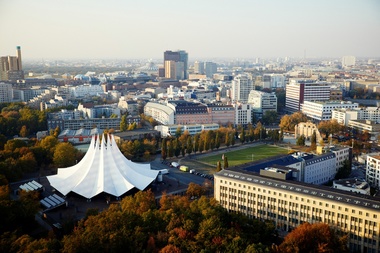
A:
x,y
205,29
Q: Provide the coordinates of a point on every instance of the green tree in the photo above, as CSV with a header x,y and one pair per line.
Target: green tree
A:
x,y
178,132
164,149
64,155
313,138
189,145
301,140
171,148
344,171
218,166
217,140
242,136
123,123
177,147
225,162
270,117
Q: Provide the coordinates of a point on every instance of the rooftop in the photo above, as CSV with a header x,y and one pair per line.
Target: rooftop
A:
x,y
319,191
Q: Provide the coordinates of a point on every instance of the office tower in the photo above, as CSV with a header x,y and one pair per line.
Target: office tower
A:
x,y
210,69
199,67
298,91
241,87
11,67
5,92
178,56
348,61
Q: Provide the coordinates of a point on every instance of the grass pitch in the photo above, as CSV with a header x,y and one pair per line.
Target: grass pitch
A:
x,y
242,156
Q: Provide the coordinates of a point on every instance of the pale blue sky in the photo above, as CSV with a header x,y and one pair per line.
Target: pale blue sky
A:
x,y
126,29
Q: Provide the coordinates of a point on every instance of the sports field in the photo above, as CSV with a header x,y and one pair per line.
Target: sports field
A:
x,y
241,156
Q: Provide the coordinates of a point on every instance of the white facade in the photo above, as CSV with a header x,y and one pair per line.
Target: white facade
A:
x,y
241,87
85,90
299,91
348,61
323,110
373,170
320,169
343,116
160,112
262,101
103,169
341,154
170,130
273,81
243,114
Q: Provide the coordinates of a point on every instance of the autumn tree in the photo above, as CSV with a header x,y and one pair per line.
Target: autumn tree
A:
x,y
195,190
24,132
65,155
288,122
329,127
318,237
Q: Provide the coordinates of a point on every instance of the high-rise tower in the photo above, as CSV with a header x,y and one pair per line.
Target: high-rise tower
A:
x,y
178,58
11,66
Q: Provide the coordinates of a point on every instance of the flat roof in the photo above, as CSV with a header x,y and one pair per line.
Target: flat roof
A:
x,y
319,191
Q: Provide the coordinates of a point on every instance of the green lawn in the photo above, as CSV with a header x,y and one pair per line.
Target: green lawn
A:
x,y
245,155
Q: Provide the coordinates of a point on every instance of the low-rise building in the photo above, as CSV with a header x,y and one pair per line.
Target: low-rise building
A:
x,y
355,185
170,130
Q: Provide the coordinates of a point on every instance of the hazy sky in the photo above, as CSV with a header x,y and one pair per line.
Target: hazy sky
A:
x,y
126,29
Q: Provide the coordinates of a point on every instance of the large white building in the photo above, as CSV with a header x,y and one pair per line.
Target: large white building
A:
x,y
241,87
288,204
321,111
160,112
103,169
262,101
344,115
299,91
86,90
170,130
373,170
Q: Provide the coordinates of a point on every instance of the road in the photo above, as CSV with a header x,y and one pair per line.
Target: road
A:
x,y
176,174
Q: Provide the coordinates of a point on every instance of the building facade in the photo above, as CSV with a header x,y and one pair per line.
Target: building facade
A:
x,y
373,170
289,204
5,92
178,66
241,87
262,102
11,67
299,91
221,113
321,111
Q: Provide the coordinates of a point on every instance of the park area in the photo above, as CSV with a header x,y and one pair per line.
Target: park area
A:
x,y
247,155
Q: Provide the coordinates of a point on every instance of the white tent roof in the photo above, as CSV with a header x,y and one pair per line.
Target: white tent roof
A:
x,y
103,169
